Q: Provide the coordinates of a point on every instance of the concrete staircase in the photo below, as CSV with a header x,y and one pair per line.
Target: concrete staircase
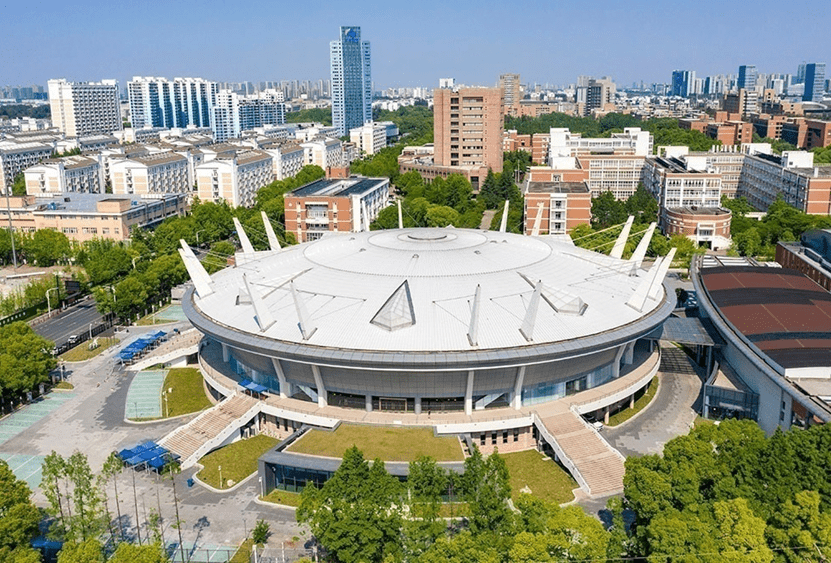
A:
x,y
595,464
208,430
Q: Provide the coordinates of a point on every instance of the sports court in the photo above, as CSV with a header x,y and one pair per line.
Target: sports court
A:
x,y
144,397
25,467
24,418
171,313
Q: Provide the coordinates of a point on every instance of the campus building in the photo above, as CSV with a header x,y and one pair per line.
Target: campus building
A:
x,y
558,207
705,226
16,157
161,103
151,173
84,108
369,138
83,216
234,177
77,173
468,128
335,205
775,364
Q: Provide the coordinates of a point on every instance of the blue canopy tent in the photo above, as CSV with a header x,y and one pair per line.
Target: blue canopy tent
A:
x,y
253,387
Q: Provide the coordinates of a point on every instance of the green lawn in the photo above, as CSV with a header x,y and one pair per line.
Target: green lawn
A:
x,y
82,352
237,460
386,443
243,554
279,496
188,393
456,510
640,404
65,385
542,475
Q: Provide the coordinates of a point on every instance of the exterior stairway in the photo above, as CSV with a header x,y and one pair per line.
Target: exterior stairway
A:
x,y
208,430
595,464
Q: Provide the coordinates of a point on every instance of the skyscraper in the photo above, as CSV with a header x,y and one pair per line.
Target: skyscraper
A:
x,y
349,58
747,77
84,108
683,83
814,82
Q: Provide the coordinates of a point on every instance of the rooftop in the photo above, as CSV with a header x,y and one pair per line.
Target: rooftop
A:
x,y
337,188
783,313
696,210
557,188
83,202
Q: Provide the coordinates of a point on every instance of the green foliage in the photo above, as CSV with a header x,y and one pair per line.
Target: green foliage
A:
x,y
822,155
25,110
316,115
415,123
486,488
46,247
18,515
19,185
260,532
68,152
426,483
356,515
382,164
89,551
25,360
462,548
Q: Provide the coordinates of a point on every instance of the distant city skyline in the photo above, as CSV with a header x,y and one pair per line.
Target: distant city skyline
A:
x,y
412,45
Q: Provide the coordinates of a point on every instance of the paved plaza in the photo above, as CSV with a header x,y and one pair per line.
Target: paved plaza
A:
x,y
144,397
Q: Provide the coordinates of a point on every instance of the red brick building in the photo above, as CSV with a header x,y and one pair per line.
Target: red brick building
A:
x,y
564,206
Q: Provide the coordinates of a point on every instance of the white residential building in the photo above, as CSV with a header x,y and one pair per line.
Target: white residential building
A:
x,y
17,157
181,102
678,183
235,179
323,152
287,158
79,174
370,137
564,143
234,113
154,173
84,108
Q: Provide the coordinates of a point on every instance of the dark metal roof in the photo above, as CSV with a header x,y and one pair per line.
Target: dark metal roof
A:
x,y
687,330
782,312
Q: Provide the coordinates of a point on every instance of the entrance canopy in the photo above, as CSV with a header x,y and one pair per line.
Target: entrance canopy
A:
x,y
691,331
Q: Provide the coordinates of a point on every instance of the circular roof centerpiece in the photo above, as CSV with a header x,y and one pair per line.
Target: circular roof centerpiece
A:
x,y
427,235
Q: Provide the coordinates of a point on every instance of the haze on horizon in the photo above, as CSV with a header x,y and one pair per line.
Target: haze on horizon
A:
x,y
413,44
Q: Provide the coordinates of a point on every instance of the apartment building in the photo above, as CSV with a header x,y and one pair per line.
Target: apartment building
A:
x,y
339,205
80,174
234,177
84,108
82,216
324,152
369,138
560,207
16,157
468,127
511,93
235,113
596,95
157,102
744,102
287,158
151,173
769,126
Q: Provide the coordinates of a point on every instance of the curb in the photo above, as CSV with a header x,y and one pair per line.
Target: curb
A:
x,y
219,491
660,377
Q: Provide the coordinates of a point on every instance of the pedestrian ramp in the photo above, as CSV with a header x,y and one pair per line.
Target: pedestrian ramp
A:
x,y
596,465
144,397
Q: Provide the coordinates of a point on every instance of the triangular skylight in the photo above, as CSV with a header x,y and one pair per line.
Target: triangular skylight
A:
x,y
397,311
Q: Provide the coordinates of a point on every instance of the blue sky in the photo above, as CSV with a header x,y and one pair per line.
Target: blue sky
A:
x,y
413,43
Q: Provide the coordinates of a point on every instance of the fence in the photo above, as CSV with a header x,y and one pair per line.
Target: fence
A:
x,y
23,314
109,321
282,554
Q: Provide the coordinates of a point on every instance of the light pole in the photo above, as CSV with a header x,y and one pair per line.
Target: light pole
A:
x,y
90,331
220,476
197,236
48,302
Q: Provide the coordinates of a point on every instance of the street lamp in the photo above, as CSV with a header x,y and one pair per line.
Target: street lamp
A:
x,y
48,302
220,476
11,226
197,236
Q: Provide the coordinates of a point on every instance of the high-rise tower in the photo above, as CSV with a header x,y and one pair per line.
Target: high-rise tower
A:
x,y
351,80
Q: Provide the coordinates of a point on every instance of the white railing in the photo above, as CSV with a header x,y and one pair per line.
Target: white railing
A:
x,y
223,435
561,455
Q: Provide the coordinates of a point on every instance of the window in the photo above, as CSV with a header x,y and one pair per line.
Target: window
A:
x,y
482,439
493,438
516,434
504,436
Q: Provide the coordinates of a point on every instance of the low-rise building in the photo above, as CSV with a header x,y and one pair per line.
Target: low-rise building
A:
x,y
234,177
324,152
77,173
561,206
421,159
17,157
811,256
708,226
82,216
370,137
287,158
681,183
341,205
152,173
791,176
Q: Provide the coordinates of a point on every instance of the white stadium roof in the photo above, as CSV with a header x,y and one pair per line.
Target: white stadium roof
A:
x,y
409,290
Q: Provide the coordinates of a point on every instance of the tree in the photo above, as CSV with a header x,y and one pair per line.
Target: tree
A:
x,y
25,360
53,472
260,532
111,469
19,185
486,488
88,515
356,514
426,482
607,211
642,205
740,534
462,548
47,247
89,551
18,516
799,531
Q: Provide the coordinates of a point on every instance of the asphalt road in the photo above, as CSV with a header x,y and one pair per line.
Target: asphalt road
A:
x,y
73,320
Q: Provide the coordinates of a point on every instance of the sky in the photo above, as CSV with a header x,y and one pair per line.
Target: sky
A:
x,y
413,43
